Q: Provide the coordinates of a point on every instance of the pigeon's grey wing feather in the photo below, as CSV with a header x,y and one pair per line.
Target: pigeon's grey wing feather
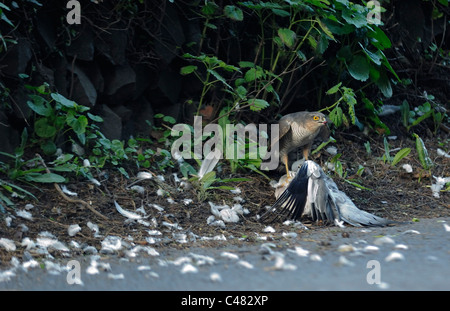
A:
x,y
323,206
291,203
348,211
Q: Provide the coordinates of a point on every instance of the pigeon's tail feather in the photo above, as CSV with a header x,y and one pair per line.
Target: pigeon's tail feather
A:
x,y
354,216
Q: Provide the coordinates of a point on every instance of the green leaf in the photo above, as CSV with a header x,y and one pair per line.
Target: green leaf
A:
x,y
375,57
336,116
46,178
233,13
356,18
384,84
79,124
40,106
94,117
287,36
48,147
422,152
325,29
359,68
63,101
334,89
246,64
188,69
400,155
379,38
209,8
241,91
258,104
44,129
220,78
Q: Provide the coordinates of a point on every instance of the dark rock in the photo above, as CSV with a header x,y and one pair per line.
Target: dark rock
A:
x,y
142,116
112,45
9,137
120,84
16,58
83,92
82,46
111,126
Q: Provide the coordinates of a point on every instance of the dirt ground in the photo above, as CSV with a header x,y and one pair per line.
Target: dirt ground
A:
x,y
393,194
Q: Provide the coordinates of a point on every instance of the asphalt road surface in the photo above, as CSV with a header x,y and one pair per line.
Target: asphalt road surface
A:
x,y
413,256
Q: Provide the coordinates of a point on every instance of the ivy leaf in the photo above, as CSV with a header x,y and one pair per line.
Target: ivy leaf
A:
x,y
287,36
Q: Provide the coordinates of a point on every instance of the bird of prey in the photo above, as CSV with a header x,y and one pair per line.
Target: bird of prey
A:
x,y
313,193
300,129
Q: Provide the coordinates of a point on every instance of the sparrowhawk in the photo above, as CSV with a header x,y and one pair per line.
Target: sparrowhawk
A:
x,y
300,129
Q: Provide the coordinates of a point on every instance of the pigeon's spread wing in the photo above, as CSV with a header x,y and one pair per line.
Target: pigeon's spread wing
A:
x,y
291,203
313,193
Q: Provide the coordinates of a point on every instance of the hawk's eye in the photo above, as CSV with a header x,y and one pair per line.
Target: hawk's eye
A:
x,y
316,118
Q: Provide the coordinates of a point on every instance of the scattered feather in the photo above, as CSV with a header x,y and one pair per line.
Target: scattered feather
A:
x,y
187,201
411,232
94,228
371,249
229,255
315,257
8,244
345,262
29,206
346,248
236,191
24,214
394,256
289,234
188,268
299,251
128,214
245,264
401,246
5,276
202,259
440,182
138,189
144,268
383,240
73,229
269,229
442,153
68,192
215,277
407,168
446,227
144,175
280,264
119,276
111,244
